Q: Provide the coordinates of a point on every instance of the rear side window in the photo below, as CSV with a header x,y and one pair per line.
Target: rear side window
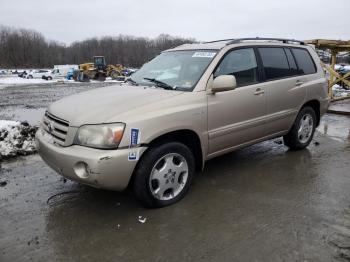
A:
x,y
304,61
291,61
275,62
242,64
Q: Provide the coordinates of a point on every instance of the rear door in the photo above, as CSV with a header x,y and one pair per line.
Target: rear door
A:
x,y
236,117
283,86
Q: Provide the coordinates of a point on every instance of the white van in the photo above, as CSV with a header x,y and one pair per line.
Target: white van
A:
x,y
60,71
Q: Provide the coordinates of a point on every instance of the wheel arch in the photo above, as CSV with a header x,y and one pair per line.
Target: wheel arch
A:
x,y
315,105
187,137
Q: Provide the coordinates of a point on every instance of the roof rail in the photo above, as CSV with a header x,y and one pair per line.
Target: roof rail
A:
x,y
283,40
215,41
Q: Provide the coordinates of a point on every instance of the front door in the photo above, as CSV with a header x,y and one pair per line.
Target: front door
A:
x,y
236,117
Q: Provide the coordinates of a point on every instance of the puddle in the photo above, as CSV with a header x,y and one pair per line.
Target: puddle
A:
x,y
335,126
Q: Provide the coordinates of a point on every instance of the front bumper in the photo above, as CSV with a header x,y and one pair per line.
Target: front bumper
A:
x,y
109,169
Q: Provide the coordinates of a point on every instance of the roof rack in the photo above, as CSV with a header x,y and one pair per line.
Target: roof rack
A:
x,y
239,40
222,40
283,40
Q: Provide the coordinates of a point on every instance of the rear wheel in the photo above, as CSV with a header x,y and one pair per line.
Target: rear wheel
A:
x,y
164,175
302,130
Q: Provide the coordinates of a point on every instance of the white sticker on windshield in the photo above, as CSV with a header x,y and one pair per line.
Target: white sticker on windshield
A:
x,y
204,54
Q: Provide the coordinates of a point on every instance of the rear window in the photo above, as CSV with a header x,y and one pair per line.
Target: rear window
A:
x,y
304,61
275,62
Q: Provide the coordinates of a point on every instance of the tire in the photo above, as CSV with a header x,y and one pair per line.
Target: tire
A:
x,y
302,131
30,77
49,78
164,175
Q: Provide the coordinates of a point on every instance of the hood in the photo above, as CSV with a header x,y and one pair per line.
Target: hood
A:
x,y
103,105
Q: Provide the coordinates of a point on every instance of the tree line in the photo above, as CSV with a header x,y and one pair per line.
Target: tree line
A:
x,y
23,48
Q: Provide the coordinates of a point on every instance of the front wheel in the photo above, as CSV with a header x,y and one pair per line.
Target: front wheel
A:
x,y
302,130
164,174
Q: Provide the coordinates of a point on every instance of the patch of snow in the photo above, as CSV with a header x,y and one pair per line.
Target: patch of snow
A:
x,y
18,80
113,81
336,86
336,66
8,123
343,66
339,91
16,138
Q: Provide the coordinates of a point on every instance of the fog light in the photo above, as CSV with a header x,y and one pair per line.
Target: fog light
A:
x,y
81,169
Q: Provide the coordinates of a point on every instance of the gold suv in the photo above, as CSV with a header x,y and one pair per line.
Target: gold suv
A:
x,y
187,105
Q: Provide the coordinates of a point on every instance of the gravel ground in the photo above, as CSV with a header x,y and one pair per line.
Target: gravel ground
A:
x,y
28,102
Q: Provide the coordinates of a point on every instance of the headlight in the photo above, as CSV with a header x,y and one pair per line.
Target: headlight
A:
x,y
104,136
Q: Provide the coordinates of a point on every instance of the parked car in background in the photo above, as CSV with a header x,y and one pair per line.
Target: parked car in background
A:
x,y
38,73
23,74
188,105
51,75
60,71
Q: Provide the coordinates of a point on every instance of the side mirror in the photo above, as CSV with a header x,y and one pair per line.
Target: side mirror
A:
x,y
223,83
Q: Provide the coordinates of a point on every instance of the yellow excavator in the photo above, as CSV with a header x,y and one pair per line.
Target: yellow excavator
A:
x,y
98,70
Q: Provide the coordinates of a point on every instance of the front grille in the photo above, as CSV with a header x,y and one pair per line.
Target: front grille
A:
x,y
56,127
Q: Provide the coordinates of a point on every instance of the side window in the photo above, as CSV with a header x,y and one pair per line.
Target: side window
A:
x,y
275,62
304,61
242,64
291,61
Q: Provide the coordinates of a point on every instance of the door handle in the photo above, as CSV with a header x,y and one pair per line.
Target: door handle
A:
x,y
259,91
299,83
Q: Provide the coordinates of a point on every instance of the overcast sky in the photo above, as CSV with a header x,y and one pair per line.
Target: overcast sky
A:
x,y
71,20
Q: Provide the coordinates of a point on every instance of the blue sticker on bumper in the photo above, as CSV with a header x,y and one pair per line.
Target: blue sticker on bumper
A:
x,y
134,137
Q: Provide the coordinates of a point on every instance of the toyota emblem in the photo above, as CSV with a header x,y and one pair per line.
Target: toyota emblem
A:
x,y
50,127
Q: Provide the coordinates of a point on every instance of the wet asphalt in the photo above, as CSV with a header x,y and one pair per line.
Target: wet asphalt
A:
x,y
260,203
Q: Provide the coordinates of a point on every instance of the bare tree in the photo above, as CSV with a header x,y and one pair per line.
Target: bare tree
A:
x,y
29,49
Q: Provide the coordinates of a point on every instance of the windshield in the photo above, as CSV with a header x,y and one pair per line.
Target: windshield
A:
x,y
179,70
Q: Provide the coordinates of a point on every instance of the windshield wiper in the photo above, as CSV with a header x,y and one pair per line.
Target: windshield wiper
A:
x,y
160,83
